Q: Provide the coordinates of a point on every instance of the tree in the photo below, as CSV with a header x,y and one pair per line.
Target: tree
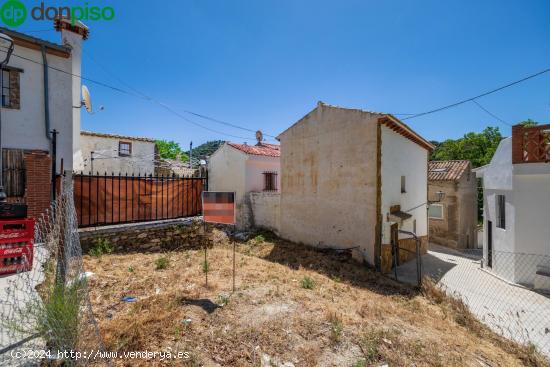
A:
x,y
475,147
170,150
206,149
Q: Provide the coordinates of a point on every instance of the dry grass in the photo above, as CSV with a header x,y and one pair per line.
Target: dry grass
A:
x,y
350,317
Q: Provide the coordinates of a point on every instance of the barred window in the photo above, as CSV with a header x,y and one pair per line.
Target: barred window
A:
x,y
5,88
501,211
270,181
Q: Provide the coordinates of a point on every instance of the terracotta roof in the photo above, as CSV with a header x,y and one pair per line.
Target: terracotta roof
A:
x,y
269,150
446,170
115,136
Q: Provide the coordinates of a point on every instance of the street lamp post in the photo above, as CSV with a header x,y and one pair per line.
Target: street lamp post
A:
x,y
5,43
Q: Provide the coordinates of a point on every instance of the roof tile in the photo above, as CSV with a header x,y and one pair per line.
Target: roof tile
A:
x,y
446,170
269,150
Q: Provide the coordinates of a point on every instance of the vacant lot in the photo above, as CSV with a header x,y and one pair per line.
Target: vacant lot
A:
x,y
293,305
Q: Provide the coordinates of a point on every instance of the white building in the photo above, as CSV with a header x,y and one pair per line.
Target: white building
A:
x,y
253,172
516,201
118,154
353,179
39,93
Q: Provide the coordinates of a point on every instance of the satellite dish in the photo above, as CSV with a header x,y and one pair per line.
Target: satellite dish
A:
x,y
86,99
259,136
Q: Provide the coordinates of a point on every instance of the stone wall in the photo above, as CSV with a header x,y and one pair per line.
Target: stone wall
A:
x,y
266,210
148,236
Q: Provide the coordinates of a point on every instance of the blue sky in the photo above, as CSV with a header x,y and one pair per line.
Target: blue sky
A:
x,y
264,64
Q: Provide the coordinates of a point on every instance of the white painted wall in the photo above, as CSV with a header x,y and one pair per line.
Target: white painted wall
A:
x,y
525,242
226,172
141,161
256,165
25,128
266,210
230,169
402,157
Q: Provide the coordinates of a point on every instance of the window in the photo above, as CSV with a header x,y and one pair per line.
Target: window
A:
x,y
6,88
124,148
435,211
270,181
501,211
403,185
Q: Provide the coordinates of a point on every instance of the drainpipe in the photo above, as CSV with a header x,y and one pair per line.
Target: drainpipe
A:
x,y
46,94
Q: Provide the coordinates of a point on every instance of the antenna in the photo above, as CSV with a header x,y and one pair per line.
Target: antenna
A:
x,y
259,136
86,99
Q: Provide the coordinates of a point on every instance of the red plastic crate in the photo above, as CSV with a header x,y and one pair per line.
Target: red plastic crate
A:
x,y
16,245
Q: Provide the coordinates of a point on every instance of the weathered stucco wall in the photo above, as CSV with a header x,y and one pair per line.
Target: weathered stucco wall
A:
x,y
266,210
457,229
328,183
141,161
256,166
24,128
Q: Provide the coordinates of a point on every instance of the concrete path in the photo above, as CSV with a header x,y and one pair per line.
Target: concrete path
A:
x,y
15,292
510,310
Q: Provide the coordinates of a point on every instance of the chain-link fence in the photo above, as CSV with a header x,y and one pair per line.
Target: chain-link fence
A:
x,y
45,313
507,291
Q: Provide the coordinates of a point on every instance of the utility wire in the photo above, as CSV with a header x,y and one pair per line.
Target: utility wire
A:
x,y
490,113
143,95
478,96
163,105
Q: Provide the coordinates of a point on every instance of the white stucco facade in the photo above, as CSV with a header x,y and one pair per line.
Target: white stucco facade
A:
x,y
25,127
230,169
403,157
523,246
104,149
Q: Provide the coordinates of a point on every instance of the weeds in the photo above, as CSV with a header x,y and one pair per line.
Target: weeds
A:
x,y
307,283
222,300
130,269
161,263
336,328
101,247
259,238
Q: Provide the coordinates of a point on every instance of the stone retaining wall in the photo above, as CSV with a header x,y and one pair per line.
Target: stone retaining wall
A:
x,y
148,236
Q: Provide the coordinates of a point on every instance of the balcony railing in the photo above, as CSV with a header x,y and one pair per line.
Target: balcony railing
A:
x,y
530,144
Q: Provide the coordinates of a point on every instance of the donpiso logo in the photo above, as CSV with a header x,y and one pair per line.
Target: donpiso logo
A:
x,y
13,12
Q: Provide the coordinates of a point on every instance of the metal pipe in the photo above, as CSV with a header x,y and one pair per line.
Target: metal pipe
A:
x,y
46,94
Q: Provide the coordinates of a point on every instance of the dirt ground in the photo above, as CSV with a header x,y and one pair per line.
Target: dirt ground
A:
x,y
292,306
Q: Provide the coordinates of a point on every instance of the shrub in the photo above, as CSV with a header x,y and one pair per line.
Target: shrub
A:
x,y
161,263
307,283
259,238
102,246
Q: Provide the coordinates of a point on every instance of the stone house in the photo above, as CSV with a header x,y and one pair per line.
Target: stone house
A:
x,y
39,91
116,154
516,198
253,173
352,179
453,221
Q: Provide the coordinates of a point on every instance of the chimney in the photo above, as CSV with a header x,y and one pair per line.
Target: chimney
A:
x,y
72,36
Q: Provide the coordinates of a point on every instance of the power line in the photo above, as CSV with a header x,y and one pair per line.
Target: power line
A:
x,y
163,105
143,95
478,96
490,113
